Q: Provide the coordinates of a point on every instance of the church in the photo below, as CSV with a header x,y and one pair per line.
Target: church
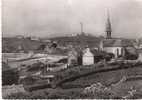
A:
x,y
115,46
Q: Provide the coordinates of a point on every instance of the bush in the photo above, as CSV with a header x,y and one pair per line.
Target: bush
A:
x,y
58,96
69,86
10,77
31,95
64,60
36,66
29,80
19,95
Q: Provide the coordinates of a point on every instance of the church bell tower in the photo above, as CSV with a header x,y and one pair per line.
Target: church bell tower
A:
x,y
108,27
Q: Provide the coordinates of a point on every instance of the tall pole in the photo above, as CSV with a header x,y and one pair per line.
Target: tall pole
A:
x,y
81,24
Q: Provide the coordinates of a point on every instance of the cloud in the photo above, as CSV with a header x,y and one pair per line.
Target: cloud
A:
x,y
127,19
49,17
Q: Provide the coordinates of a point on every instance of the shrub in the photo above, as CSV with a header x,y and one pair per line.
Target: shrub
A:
x,y
31,95
19,95
58,96
64,60
10,77
28,80
36,66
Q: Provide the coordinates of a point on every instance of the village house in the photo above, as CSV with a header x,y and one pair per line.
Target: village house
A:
x,y
19,36
140,55
140,43
88,57
139,49
91,56
50,47
34,38
136,43
72,57
140,46
20,49
46,40
47,49
30,53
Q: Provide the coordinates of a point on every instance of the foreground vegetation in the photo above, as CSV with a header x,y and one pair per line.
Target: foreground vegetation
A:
x,y
73,89
75,93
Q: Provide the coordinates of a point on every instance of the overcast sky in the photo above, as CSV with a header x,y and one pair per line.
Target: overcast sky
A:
x,y
50,17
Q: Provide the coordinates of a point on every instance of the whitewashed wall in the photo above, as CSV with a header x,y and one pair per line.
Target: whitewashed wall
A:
x,y
88,57
88,60
140,57
114,50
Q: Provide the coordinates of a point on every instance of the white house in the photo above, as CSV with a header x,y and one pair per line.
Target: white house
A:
x,y
88,57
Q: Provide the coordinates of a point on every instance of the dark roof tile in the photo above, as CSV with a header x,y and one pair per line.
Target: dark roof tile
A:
x,y
117,43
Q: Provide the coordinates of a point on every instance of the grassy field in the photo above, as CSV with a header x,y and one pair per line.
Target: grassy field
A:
x,y
67,91
106,78
73,88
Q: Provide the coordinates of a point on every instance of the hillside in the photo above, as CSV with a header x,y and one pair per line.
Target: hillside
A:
x,y
79,40
12,44
83,40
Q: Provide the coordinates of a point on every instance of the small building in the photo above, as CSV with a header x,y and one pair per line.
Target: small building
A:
x,y
46,40
34,38
88,57
140,46
19,36
136,43
20,49
72,57
56,67
140,43
140,55
48,49
30,53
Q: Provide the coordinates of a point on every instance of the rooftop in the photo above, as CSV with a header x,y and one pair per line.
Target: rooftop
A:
x,y
117,43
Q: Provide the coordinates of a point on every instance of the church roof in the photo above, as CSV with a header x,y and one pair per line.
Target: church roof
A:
x,y
117,43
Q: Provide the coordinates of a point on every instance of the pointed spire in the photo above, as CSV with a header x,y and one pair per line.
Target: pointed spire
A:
x,y
108,26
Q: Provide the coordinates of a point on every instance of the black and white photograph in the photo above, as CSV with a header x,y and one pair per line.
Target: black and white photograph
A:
x,y
71,49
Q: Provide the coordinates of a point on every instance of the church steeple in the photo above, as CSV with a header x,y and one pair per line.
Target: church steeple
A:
x,y
108,27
